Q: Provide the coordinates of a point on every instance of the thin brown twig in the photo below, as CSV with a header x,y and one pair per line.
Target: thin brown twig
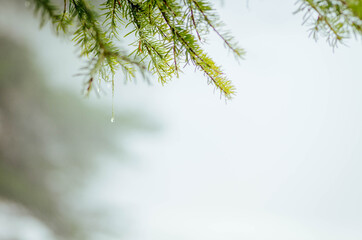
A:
x,y
324,19
213,27
193,21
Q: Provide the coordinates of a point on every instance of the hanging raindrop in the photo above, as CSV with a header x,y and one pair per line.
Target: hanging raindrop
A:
x,y
112,118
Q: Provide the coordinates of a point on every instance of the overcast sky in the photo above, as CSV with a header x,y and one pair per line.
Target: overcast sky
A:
x,y
281,161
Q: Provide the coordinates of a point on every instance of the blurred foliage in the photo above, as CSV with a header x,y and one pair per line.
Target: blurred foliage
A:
x,y
51,144
336,20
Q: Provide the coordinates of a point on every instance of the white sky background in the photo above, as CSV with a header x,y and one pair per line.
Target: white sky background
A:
x,y
281,161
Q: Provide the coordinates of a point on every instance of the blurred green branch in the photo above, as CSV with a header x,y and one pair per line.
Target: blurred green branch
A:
x,y
51,144
337,20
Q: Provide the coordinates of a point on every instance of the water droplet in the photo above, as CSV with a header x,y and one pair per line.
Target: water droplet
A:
x,y
112,119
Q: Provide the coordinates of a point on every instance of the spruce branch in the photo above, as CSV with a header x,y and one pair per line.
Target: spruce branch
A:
x,y
161,32
337,20
167,35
